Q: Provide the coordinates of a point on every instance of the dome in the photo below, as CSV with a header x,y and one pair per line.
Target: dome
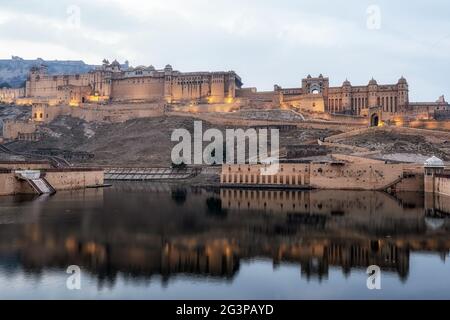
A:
x,y
115,63
402,80
373,82
309,76
434,162
151,68
168,67
346,83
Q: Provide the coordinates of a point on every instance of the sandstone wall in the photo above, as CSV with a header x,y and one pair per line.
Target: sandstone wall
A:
x,y
25,165
9,95
117,112
9,185
11,128
413,183
442,185
146,88
70,180
45,113
60,180
353,176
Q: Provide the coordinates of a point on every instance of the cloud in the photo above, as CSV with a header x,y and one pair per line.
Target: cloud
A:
x,y
266,42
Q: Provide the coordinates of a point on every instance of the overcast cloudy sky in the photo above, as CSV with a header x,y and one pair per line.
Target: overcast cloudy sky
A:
x,y
266,42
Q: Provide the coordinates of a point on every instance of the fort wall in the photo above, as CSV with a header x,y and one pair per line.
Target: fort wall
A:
x,y
60,179
13,128
9,95
142,89
25,165
337,175
113,113
9,185
110,83
441,184
74,179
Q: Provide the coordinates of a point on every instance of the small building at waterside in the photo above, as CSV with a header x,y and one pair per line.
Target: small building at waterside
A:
x,y
364,174
39,177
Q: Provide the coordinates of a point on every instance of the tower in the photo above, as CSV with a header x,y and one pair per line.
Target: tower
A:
x,y
402,87
168,83
433,166
373,93
346,96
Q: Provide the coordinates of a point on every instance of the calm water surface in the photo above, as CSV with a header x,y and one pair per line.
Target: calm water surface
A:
x,y
155,241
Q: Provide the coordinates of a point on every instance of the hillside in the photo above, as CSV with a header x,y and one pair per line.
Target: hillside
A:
x,y
139,142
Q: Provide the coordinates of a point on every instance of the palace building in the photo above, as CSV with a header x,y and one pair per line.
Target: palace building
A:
x,y
109,83
113,83
316,95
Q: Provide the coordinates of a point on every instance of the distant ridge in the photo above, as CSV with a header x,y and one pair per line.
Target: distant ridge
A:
x,y
14,71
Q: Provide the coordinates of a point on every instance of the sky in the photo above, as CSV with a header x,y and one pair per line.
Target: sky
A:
x,y
265,42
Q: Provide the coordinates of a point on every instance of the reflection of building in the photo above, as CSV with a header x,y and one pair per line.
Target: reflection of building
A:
x,y
211,236
215,258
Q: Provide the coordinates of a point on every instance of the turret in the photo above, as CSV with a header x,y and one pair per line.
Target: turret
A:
x,y
432,167
346,95
402,87
373,93
168,83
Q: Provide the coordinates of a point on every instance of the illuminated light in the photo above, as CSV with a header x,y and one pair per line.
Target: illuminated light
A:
x,y
94,98
229,100
71,244
90,247
73,103
398,122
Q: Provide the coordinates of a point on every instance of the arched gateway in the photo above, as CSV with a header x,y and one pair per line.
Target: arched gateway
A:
x,y
374,120
375,116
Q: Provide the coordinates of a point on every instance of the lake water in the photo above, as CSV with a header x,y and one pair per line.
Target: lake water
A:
x,y
155,241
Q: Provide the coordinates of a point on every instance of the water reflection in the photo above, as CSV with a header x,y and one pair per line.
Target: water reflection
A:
x,y
145,230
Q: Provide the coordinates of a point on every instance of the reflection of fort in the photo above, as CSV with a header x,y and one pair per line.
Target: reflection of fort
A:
x,y
156,234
